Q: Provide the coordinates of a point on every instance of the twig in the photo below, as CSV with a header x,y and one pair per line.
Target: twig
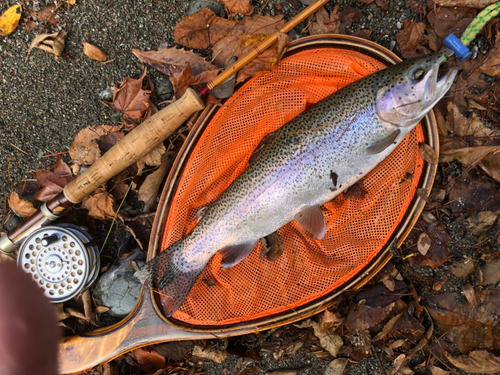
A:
x,y
24,152
378,360
55,154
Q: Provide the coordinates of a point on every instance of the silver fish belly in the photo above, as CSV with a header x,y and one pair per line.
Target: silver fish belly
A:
x,y
304,164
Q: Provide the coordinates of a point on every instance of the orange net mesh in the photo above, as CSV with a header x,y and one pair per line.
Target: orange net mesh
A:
x,y
356,229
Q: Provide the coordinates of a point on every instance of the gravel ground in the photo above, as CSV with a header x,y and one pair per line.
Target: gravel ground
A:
x,y
45,102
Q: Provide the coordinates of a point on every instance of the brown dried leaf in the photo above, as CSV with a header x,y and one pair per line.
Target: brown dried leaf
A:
x,y
76,314
411,38
427,153
53,182
482,222
467,326
20,206
445,21
266,60
214,355
355,192
85,147
100,204
186,79
140,228
479,361
339,366
491,66
462,268
149,361
46,14
491,273
387,328
424,243
465,3
101,309
87,306
272,247
149,188
366,317
202,29
131,99
94,52
326,24
468,156
238,6
251,28
153,158
52,43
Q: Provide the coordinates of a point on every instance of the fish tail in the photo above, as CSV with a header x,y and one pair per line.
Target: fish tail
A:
x,y
173,279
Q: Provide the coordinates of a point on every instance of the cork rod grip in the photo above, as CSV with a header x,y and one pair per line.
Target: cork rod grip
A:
x,y
136,144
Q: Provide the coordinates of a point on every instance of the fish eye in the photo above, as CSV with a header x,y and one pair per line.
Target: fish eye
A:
x,y
417,75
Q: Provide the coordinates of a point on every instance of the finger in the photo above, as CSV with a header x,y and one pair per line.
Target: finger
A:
x,y
28,329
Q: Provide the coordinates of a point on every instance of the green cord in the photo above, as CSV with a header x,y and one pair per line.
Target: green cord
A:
x,y
475,27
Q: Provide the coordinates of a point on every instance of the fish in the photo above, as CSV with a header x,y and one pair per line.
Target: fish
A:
x,y
301,166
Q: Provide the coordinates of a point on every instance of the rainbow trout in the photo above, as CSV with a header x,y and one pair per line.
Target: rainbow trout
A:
x,y
299,167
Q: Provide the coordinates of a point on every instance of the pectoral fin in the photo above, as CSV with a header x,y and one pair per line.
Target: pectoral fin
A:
x,y
232,255
313,220
381,145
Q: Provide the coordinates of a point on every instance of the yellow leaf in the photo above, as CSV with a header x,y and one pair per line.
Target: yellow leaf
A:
x,y
10,19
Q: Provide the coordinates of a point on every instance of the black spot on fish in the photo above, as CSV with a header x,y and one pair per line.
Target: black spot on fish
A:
x,y
334,177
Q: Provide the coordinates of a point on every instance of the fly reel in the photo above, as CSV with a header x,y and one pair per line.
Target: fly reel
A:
x,y
62,259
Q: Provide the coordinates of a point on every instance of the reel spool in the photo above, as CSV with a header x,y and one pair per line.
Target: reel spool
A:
x,y
62,259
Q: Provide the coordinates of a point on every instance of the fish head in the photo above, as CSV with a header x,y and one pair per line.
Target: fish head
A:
x,y
411,88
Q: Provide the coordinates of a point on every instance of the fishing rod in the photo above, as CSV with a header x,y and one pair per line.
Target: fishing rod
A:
x,y
36,232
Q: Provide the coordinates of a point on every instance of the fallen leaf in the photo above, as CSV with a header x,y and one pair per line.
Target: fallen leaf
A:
x,y
46,14
100,204
77,314
20,206
491,65
266,60
469,156
462,268
382,3
445,21
325,332
101,309
465,3
131,99
479,361
379,296
94,52
467,326
85,147
427,153
339,366
52,43
285,372
482,222
410,40
348,16
387,328
186,79
214,355
326,24
355,192
253,29
491,273
174,350
424,243
238,6
53,182
366,317
202,29
149,361
87,306
148,191
153,158
434,370
365,34
10,19
272,247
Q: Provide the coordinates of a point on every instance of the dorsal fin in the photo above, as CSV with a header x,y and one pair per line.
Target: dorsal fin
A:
x,y
313,220
232,255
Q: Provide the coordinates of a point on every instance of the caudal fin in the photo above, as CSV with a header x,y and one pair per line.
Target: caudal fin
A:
x,y
173,280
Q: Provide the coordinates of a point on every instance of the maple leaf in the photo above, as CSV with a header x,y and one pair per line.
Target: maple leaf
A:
x,y
100,204
131,99
410,39
266,60
20,206
186,79
53,182
85,147
202,29
233,45
238,6
184,68
326,24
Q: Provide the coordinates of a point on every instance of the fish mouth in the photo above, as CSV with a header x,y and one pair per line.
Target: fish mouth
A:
x,y
436,88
